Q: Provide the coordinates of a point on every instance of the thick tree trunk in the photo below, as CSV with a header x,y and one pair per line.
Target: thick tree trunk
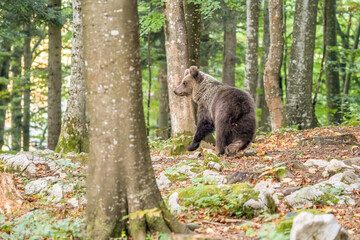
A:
x,y
27,101
193,31
16,96
4,94
73,137
299,108
229,51
54,80
331,66
260,96
163,131
181,108
120,180
273,66
252,35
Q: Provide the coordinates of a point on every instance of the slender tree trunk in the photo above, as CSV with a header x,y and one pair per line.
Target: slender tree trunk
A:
x,y
181,108
120,180
16,96
299,108
4,94
273,66
74,137
54,80
27,101
252,35
260,96
193,31
331,66
351,63
163,131
229,51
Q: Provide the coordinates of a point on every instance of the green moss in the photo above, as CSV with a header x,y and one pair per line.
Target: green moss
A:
x,y
179,177
180,143
174,173
210,157
285,224
74,142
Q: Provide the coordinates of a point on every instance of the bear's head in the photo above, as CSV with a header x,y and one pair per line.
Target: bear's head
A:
x,y
192,76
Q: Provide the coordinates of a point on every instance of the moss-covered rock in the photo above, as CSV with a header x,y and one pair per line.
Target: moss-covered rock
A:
x,y
285,224
180,143
181,171
209,158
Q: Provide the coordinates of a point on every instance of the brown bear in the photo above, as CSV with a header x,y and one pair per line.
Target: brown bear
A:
x,y
228,110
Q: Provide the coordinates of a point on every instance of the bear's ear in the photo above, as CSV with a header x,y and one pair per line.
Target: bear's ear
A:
x,y
187,71
194,72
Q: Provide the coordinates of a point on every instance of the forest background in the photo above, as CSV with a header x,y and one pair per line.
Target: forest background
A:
x,y
24,60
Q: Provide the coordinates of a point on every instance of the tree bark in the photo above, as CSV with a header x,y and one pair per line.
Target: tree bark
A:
x,y
27,101
260,96
10,197
16,96
4,98
73,137
252,35
273,66
54,79
229,51
331,66
163,131
181,108
351,62
299,108
193,31
120,180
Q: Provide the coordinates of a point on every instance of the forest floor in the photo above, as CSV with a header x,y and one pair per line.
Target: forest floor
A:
x,y
52,187
291,148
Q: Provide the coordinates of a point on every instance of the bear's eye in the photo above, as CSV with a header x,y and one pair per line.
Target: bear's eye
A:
x,y
184,83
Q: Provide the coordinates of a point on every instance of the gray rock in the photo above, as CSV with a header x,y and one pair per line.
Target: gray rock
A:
x,y
73,202
40,186
257,205
335,166
56,192
320,227
163,182
303,197
185,169
173,203
156,158
215,165
316,162
195,155
215,176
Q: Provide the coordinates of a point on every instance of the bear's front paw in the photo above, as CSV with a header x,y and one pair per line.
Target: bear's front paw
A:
x,y
193,146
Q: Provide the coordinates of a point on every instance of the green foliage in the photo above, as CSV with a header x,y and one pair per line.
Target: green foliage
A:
x,y
153,22
219,198
40,224
175,174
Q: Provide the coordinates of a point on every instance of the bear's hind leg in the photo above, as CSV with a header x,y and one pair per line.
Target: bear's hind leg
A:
x,y
236,146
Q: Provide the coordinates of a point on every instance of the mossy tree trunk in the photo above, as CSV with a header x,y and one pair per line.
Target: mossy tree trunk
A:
x,y
73,137
54,78
332,79
120,180
163,131
229,50
26,84
273,65
181,108
16,96
193,31
252,35
4,94
264,122
299,107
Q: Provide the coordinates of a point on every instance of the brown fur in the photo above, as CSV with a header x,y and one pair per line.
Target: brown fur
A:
x,y
228,110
